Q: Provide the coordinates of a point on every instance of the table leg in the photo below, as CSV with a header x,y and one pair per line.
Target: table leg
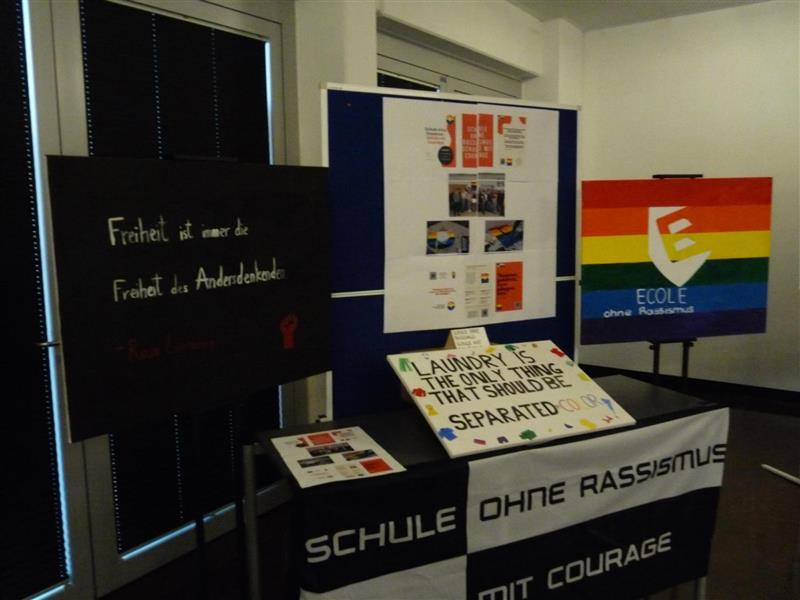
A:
x,y
700,588
251,521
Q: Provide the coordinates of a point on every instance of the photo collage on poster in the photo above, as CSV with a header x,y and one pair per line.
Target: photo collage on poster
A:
x,y
469,179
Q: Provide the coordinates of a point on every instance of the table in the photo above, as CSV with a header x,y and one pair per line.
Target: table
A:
x,y
620,513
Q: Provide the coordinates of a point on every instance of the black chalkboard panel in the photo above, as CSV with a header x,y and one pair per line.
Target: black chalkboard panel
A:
x,y
185,285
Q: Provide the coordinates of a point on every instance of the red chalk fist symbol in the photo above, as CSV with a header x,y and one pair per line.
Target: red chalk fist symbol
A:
x,y
288,326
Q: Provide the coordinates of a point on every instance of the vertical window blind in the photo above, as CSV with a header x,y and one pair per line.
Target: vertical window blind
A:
x,y
161,87
32,554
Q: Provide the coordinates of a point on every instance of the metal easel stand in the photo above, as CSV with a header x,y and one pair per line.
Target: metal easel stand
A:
x,y
700,589
689,342
195,469
251,520
655,346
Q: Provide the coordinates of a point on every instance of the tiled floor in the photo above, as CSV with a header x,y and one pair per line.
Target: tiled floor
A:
x,y
756,548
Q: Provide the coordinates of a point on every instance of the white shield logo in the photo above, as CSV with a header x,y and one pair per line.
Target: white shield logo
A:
x,y
680,271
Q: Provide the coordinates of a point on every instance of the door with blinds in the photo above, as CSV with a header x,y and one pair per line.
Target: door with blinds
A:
x,y
33,553
158,86
124,79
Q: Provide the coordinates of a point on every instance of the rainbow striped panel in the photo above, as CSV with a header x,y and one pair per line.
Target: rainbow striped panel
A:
x,y
674,259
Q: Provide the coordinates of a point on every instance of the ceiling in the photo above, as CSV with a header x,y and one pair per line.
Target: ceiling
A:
x,y
600,14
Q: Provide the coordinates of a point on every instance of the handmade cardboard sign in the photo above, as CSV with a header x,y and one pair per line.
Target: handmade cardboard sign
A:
x,y
505,395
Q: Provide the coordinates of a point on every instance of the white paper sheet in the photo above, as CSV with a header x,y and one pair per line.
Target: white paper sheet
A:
x,y
470,214
334,455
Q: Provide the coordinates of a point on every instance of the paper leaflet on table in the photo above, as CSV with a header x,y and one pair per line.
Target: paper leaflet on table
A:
x,y
334,455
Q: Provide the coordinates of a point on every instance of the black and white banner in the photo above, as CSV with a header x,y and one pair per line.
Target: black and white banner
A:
x,y
605,514
372,530
518,496
621,515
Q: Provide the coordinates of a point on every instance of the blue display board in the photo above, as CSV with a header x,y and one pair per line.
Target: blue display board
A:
x,y
363,382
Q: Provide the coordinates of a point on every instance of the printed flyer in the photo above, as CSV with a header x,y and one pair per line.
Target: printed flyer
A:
x,y
470,195
504,395
334,455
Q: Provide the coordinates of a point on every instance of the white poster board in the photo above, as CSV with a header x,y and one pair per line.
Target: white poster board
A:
x,y
504,396
470,198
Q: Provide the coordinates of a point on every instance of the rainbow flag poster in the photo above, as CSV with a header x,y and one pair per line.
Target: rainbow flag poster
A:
x,y
672,259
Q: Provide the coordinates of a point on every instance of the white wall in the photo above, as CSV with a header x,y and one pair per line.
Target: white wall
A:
x,y
336,41
714,93
498,29
561,78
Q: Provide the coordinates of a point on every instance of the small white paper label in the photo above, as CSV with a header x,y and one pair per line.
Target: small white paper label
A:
x,y
468,338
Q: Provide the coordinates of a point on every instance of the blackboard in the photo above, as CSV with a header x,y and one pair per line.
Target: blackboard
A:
x,y
363,382
186,285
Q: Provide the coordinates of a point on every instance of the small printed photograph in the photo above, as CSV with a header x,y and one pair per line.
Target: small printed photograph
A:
x,y
492,194
476,195
447,237
442,275
358,454
330,449
321,438
344,434
315,462
462,194
376,465
504,236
